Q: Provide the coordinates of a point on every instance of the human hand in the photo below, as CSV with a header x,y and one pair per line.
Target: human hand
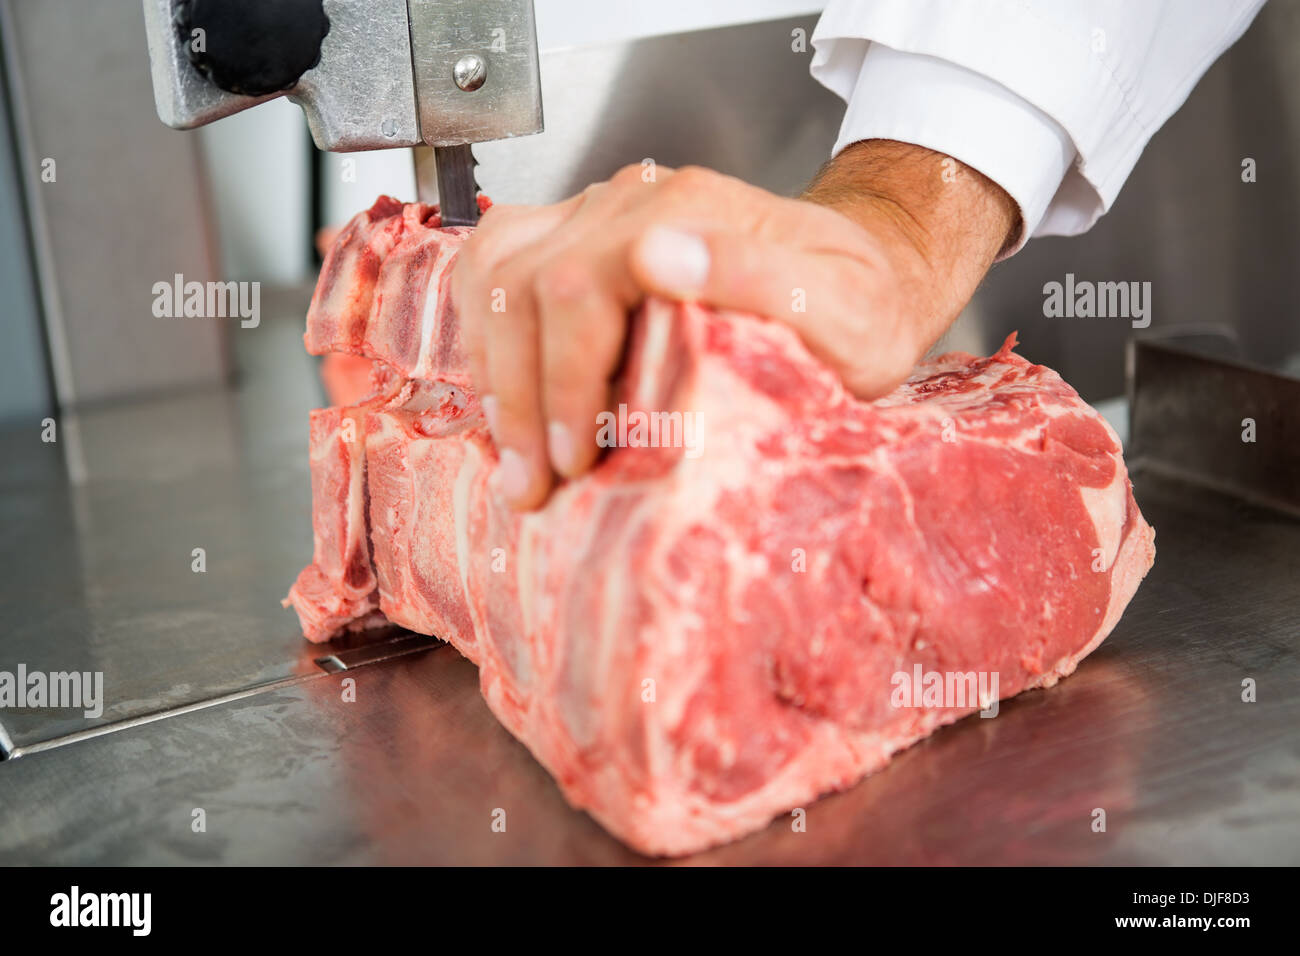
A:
x,y
869,267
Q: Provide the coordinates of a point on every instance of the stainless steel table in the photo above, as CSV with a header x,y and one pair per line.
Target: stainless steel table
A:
x,y
216,703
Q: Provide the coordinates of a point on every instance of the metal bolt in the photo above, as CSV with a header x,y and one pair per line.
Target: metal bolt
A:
x,y
470,72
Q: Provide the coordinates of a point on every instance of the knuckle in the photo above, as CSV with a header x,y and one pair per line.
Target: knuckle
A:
x,y
489,220
516,403
693,179
872,379
694,187
564,282
627,175
494,226
564,360
860,382
564,394
467,251
474,255
512,403
592,192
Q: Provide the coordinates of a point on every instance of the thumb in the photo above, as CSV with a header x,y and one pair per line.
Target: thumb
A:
x,y
726,270
806,290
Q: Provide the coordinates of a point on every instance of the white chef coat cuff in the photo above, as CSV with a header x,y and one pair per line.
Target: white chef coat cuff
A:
x,y
952,110
1109,72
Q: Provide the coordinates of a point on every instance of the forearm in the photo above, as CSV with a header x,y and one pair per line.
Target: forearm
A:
x,y
954,218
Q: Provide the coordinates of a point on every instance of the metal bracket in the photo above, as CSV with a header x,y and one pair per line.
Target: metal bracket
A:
x,y
363,94
502,34
1215,422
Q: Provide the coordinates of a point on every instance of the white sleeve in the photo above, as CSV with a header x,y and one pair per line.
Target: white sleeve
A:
x,y
1052,101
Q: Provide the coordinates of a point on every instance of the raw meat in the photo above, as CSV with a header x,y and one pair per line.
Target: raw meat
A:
x,y
696,637
383,292
337,591
347,378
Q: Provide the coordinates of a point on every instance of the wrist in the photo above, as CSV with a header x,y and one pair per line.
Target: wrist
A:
x,y
949,219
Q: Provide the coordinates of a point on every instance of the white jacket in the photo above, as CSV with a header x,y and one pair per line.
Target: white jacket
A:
x,y
1054,100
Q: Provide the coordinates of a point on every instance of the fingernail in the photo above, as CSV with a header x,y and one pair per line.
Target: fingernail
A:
x,y
560,442
512,474
490,412
676,261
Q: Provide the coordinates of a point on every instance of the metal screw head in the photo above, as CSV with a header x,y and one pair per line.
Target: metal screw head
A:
x,y
470,72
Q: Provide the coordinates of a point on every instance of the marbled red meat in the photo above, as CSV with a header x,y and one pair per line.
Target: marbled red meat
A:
x,y
693,640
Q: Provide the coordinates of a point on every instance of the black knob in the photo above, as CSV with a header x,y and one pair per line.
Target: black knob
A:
x,y
253,47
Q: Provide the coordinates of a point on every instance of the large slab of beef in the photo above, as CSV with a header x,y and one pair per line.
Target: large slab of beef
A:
x,y
695,640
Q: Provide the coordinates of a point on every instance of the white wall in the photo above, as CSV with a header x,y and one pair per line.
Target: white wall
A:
x,y
259,166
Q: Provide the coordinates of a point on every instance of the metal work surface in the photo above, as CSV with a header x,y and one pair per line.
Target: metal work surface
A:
x,y
1152,728
99,529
